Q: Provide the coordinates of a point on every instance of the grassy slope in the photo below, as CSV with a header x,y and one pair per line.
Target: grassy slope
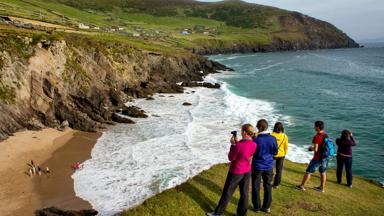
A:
x,y
201,194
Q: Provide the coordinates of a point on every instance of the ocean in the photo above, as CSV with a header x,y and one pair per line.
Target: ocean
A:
x,y
342,87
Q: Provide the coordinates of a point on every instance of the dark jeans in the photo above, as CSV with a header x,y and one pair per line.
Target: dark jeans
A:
x,y
341,162
279,161
267,176
230,186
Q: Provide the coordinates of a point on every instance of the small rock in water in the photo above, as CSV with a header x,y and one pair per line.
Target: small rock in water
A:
x,y
149,98
187,104
201,84
134,112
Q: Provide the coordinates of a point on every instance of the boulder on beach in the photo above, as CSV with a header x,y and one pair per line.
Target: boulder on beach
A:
x,y
187,104
63,126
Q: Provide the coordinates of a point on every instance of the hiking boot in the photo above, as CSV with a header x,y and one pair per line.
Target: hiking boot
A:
x,y
299,187
212,214
268,210
319,189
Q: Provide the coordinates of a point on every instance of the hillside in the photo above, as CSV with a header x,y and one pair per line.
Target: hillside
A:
x,y
47,79
71,60
201,193
227,26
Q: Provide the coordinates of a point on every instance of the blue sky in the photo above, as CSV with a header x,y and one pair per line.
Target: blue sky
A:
x,y
360,19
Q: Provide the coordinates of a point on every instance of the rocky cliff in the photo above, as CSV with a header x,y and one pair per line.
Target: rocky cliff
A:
x,y
44,82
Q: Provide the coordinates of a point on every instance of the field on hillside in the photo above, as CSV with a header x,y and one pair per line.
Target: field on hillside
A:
x,y
201,194
165,30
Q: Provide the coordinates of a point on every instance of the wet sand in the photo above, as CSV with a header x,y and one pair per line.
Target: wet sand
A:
x,y
21,194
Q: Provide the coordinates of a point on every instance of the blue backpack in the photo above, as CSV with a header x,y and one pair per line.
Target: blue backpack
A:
x,y
328,148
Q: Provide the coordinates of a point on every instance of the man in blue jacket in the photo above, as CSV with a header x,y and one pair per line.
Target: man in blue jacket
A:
x,y
262,167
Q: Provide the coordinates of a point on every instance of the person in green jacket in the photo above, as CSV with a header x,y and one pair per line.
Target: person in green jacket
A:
x,y
282,143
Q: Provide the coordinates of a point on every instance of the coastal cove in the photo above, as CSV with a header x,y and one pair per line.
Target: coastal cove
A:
x,y
176,142
131,104
132,163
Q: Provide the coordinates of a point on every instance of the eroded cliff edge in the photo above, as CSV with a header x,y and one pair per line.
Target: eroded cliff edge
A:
x,y
46,81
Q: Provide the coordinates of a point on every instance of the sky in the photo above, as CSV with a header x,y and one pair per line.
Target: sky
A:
x,y
360,19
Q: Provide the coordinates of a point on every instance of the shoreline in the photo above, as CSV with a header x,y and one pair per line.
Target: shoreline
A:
x,y
22,194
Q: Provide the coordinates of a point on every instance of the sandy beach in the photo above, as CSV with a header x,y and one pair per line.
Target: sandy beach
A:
x,y
21,194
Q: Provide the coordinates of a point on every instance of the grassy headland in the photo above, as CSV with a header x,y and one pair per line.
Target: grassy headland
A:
x,y
213,27
201,193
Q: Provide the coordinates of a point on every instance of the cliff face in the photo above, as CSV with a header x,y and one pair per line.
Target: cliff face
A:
x,y
52,81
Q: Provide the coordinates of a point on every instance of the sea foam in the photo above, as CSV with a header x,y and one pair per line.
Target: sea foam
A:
x,y
131,163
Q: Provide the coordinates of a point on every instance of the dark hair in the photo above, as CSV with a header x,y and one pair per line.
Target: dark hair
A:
x,y
345,135
319,124
248,129
262,125
279,128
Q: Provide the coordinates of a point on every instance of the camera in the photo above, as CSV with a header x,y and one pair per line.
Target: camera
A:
x,y
234,133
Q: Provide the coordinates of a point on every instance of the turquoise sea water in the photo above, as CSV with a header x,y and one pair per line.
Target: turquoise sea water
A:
x,y
342,87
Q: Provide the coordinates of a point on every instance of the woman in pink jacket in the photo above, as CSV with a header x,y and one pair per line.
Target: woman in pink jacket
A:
x,y
239,171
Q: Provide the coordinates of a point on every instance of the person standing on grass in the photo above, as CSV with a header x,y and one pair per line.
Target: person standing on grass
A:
x,y
262,167
239,172
318,161
282,144
344,156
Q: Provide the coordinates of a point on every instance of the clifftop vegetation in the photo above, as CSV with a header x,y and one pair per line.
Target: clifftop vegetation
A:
x,y
227,26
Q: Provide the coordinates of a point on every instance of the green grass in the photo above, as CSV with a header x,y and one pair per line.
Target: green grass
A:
x,y
132,19
160,22
201,194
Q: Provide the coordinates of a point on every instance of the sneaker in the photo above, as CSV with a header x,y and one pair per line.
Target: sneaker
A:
x,y
268,210
212,214
275,186
299,187
319,189
350,186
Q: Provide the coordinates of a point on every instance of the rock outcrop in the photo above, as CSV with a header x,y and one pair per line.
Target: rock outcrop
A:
x,y
201,84
53,211
121,119
134,112
83,81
